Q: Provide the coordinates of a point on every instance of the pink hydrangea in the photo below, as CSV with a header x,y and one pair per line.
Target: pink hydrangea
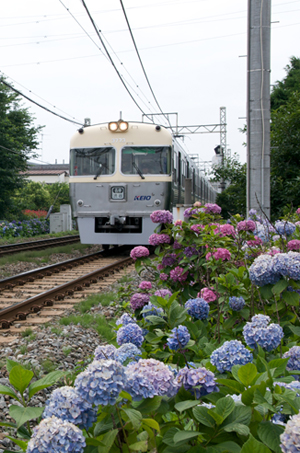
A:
x,y
211,208
207,294
157,239
197,204
255,242
178,223
298,211
139,252
225,230
197,228
164,277
246,225
294,244
176,245
160,267
297,224
138,300
220,253
178,274
161,217
145,285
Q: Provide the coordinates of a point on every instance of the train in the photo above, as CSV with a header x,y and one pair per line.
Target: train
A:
x,y
122,171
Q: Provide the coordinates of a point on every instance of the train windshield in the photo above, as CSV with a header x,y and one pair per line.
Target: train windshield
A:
x,y
92,161
155,160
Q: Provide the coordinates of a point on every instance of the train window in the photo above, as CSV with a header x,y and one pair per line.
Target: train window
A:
x,y
146,159
92,161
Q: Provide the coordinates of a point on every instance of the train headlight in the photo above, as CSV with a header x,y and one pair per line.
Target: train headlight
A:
x,y
118,126
118,193
123,126
113,126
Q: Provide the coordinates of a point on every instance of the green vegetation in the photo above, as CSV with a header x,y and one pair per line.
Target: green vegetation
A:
x,y
27,332
16,240
104,299
97,322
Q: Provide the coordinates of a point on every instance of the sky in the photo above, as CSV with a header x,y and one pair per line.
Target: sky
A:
x,y
193,53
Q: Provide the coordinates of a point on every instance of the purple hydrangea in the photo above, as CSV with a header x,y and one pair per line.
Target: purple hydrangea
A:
x,y
148,378
218,254
54,435
125,319
163,276
131,333
197,308
225,230
190,251
101,382
199,381
151,310
178,274
290,438
145,285
105,352
262,271
236,303
161,217
163,293
230,353
68,405
294,245
260,333
169,259
158,239
127,351
294,358
138,300
139,252
246,225
207,294
191,211
211,208
284,227
179,338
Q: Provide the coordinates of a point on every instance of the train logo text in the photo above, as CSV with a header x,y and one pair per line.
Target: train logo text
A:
x,y
142,197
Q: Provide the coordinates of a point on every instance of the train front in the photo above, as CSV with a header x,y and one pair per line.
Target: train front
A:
x,y
120,172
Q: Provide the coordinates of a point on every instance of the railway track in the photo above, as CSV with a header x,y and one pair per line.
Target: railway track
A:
x,y
38,296
38,245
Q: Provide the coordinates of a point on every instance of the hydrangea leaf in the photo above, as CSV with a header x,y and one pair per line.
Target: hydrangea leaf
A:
x,y
148,405
10,364
23,414
152,423
269,433
108,441
4,390
291,298
231,384
224,407
139,446
19,377
45,382
185,435
242,430
280,286
19,442
134,416
254,446
202,415
247,373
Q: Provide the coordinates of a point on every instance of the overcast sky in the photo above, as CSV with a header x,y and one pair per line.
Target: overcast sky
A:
x,y
193,52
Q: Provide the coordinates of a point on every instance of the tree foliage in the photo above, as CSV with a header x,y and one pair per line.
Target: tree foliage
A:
x,y
284,90
18,140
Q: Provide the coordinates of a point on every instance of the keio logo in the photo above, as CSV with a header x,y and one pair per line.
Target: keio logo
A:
x,y
142,197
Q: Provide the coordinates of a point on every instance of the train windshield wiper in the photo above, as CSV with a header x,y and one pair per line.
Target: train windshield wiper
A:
x,y
100,170
138,170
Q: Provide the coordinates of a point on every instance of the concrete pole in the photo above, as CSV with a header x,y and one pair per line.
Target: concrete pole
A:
x,y
258,106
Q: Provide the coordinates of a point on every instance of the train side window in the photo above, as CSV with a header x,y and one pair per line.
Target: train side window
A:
x,y
92,161
146,159
175,159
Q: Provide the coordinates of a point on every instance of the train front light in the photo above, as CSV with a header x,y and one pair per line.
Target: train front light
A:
x,y
118,126
123,126
113,126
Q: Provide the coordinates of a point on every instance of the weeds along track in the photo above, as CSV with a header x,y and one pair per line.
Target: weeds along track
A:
x,y
38,245
36,297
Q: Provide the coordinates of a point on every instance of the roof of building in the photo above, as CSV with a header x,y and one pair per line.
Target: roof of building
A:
x,y
44,172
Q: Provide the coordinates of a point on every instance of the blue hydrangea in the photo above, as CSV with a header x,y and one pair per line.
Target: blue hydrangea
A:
x,y
199,381
127,351
293,270
290,438
131,333
229,354
66,403
198,308
151,310
284,227
105,352
54,435
125,319
294,358
148,378
263,232
179,338
259,333
280,263
101,382
294,385
236,303
262,272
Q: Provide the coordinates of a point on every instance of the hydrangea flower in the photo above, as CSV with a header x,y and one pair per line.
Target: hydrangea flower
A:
x,y
246,225
138,300
163,276
190,251
255,242
212,208
230,353
199,381
161,217
197,308
131,333
151,310
68,405
262,334
127,351
157,239
178,274
290,438
139,252
148,378
105,352
125,319
179,338
101,382
145,285
220,253
284,227
169,259
262,271
294,245
197,228
225,230
191,211
294,358
163,292
178,223
236,303
54,435
293,270
207,294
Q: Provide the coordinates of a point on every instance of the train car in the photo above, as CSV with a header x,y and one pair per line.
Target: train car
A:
x,y
122,171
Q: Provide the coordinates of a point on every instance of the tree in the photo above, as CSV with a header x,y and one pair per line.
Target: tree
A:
x,y
233,199
283,90
18,140
59,194
33,195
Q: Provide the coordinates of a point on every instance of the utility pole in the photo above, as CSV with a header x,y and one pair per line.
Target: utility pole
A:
x,y
258,106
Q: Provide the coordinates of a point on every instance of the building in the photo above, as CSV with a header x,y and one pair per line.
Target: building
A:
x,y
48,174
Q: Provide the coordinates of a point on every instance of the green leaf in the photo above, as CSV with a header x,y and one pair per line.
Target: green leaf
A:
x,y
291,298
23,414
295,329
247,373
152,423
4,390
230,447
202,416
139,446
47,381
231,384
108,440
185,435
224,407
243,430
266,291
254,446
20,378
134,416
280,286
218,418
19,442
241,414
269,434
10,364
148,405
184,405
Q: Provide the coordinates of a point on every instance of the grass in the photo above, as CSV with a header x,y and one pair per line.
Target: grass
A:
x,y
57,330
23,349
48,365
104,299
27,332
66,351
5,241
97,322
